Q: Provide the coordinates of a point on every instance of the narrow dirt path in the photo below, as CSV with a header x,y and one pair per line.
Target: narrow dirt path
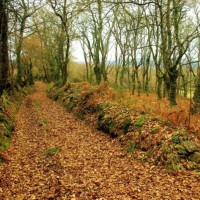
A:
x,y
90,165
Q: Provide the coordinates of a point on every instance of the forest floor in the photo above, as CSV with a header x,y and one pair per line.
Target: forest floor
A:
x,y
53,155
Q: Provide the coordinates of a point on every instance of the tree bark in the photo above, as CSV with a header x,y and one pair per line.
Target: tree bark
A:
x,y
4,59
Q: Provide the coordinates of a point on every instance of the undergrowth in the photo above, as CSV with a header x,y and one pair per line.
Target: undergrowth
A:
x,y
133,121
9,105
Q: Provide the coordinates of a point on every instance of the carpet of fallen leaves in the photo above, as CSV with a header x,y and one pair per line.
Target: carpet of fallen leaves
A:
x,y
90,164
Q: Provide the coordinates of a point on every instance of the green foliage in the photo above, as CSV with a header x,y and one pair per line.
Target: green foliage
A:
x,y
55,96
70,105
9,126
149,153
172,162
52,151
139,123
5,99
4,143
102,106
7,133
3,118
11,100
59,83
184,134
176,138
80,115
131,147
49,87
27,89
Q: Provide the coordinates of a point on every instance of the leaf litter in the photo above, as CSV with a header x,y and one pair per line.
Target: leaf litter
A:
x,y
91,165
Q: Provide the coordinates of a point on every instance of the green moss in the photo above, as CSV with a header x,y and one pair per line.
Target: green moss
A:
x,y
5,99
183,134
3,119
140,122
126,124
181,149
7,133
106,124
8,125
4,143
52,151
102,106
80,115
176,138
70,105
172,162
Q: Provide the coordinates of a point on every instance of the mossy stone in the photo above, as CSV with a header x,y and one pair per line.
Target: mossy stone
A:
x,y
181,150
195,157
106,124
125,124
190,146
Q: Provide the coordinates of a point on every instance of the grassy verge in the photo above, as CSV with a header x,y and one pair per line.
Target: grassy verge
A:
x,y
9,105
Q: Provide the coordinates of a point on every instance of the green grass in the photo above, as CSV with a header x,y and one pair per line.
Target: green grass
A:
x,y
52,151
131,147
140,122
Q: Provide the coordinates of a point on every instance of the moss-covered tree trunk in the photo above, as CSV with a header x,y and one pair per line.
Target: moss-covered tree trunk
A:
x,y
4,60
30,74
173,75
196,98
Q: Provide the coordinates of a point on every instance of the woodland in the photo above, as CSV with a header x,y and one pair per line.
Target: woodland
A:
x,y
99,99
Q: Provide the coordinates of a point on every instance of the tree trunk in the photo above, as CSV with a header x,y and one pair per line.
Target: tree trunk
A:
x,y
30,74
4,60
196,98
18,51
173,75
97,72
103,70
